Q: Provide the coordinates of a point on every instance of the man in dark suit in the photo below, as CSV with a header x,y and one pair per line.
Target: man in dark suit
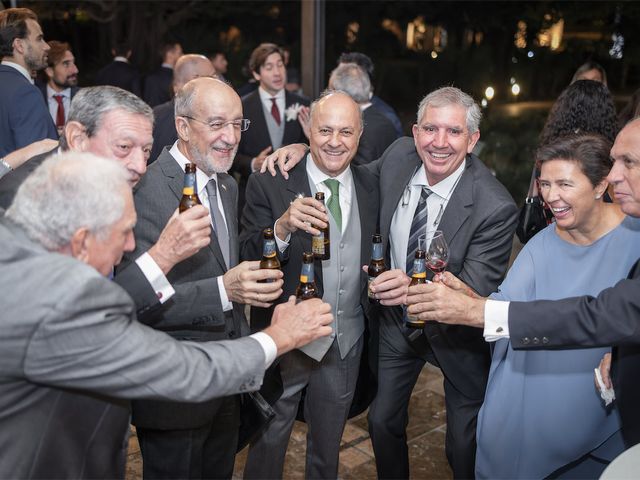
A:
x,y
24,118
158,85
115,124
180,440
378,132
120,73
61,82
187,68
71,350
275,113
610,319
328,369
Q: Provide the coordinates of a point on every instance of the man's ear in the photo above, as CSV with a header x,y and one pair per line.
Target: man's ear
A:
x,y
76,136
256,76
182,128
18,46
49,72
473,139
79,244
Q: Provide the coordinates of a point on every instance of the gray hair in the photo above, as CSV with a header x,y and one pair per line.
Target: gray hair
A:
x,y
67,192
452,96
350,78
90,104
327,93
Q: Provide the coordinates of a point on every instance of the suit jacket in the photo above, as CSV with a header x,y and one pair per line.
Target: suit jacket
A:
x,y
267,199
377,135
157,86
613,318
478,224
164,128
24,116
388,112
120,74
195,311
72,353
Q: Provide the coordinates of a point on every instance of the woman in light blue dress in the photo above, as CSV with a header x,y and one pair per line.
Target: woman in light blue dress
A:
x,y
542,416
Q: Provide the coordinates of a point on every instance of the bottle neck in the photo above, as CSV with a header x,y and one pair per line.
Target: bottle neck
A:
x,y
376,251
189,184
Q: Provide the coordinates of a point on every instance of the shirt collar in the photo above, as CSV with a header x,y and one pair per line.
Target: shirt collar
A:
x,y
65,93
317,176
20,68
266,96
201,178
445,187
167,65
121,59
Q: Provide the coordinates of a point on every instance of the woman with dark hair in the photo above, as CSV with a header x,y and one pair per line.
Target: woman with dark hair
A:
x,y
542,416
590,71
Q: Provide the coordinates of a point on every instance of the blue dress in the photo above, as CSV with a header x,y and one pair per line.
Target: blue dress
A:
x,y
541,409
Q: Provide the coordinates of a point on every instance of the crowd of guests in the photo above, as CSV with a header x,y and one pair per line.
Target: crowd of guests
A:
x,y
117,308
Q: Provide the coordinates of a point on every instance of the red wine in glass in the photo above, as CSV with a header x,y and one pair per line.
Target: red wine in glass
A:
x,y
437,265
437,252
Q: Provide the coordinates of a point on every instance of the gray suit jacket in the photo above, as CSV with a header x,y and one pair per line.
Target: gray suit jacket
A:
x,y
72,352
478,224
195,311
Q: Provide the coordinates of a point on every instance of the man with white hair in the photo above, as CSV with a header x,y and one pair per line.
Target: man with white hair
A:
x,y
71,350
378,132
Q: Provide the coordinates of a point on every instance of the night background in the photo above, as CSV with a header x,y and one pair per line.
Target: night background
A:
x,y
416,47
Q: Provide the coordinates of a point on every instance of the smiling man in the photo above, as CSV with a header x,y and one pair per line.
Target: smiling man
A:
x,y
328,368
62,82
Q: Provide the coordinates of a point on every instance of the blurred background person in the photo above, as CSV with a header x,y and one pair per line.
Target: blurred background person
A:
x,y
119,72
157,85
590,71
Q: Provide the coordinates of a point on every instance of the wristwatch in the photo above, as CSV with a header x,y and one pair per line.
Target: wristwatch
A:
x,y
4,167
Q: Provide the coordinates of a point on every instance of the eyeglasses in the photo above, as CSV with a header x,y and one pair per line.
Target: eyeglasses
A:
x,y
242,124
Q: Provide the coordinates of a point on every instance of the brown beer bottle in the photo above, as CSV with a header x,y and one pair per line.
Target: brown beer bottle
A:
x,y
307,287
190,190
320,244
418,276
376,265
269,255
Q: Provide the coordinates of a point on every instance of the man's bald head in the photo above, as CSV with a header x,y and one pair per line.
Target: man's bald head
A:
x,y
191,66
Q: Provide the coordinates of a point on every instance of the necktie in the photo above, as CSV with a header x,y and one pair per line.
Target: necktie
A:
x,y
418,227
219,226
275,113
60,113
333,204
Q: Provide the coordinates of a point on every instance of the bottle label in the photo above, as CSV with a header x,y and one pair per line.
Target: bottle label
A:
x,y
269,248
419,268
189,184
376,251
369,282
317,244
307,274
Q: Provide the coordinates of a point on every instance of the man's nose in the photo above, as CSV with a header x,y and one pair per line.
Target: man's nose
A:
x,y
138,161
130,243
615,174
440,138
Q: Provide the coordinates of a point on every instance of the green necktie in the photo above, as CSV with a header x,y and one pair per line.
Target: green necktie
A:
x,y
333,204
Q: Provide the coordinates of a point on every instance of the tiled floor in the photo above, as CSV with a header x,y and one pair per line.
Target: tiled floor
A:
x,y
426,433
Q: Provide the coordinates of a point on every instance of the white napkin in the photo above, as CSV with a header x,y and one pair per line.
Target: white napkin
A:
x,y
607,394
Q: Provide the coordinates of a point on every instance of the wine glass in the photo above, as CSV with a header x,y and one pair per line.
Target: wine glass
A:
x,y
437,251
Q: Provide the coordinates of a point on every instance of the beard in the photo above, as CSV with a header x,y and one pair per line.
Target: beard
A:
x,y
68,82
33,61
207,164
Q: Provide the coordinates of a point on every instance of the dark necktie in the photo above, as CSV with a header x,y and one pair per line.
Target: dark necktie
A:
x,y
275,112
418,227
219,227
333,203
60,113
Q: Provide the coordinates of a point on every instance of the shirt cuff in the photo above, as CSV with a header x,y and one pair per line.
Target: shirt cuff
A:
x,y
269,347
156,278
224,299
496,320
282,244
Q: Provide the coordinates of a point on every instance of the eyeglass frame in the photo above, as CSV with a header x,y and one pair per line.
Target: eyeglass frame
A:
x,y
245,123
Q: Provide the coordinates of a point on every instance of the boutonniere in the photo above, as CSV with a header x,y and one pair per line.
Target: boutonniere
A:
x,y
291,113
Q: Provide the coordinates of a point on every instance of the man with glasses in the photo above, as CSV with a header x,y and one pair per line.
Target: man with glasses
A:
x,y
180,440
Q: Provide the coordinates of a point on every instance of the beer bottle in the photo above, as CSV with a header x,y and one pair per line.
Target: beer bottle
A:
x,y
269,256
189,191
320,244
307,287
376,266
418,276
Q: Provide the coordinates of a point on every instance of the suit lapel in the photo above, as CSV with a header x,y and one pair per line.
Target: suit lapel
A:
x,y
459,205
229,194
298,184
367,215
256,113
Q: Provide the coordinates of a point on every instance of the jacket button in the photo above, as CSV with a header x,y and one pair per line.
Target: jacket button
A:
x,y
232,333
525,341
545,340
536,340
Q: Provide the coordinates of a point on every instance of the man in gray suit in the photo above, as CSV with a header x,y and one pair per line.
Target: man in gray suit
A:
x,y
180,440
328,368
71,350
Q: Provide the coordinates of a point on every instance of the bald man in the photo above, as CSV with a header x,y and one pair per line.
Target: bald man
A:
x,y
187,68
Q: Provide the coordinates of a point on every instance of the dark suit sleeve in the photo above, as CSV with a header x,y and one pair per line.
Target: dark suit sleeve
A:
x,y
31,120
133,281
256,216
612,318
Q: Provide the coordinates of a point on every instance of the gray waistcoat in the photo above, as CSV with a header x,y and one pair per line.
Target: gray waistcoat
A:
x,y
342,289
276,132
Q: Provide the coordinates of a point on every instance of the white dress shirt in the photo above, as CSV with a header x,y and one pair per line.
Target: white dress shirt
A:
x,y
53,104
20,68
403,216
496,320
265,98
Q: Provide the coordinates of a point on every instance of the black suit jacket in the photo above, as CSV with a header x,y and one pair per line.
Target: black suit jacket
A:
x,y
377,135
612,318
157,86
164,128
120,74
478,224
195,311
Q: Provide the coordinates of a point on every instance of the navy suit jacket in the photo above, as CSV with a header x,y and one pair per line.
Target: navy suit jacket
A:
x,y
157,86
120,74
24,116
377,135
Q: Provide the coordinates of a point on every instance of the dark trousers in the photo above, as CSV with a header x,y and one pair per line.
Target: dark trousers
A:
x,y
399,366
205,452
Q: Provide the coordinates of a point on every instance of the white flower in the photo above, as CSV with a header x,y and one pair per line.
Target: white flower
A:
x,y
291,113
